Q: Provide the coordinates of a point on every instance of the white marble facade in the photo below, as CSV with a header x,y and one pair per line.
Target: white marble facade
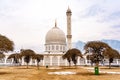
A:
x,y
54,60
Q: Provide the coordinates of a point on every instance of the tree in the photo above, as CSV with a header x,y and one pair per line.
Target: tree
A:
x,y
113,54
28,54
16,57
5,44
97,48
72,55
38,57
2,55
91,58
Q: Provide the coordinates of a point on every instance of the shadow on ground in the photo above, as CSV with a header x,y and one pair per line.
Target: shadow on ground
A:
x,y
3,73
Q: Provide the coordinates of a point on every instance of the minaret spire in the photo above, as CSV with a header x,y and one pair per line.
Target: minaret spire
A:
x,y
69,10
55,23
69,36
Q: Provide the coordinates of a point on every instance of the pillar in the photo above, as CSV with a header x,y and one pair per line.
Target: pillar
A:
x,y
51,60
30,61
5,60
78,61
65,62
58,60
117,61
23,63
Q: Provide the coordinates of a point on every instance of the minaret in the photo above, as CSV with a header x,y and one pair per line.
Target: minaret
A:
x,y
69,36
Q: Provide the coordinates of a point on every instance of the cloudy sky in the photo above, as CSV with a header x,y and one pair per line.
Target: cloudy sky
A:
x,y
26,22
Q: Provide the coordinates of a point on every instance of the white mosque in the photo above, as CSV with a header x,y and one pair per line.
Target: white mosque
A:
x,y
56,44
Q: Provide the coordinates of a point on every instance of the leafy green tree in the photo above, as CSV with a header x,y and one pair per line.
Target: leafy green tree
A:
x,y
28,54
38,57
72,55
5,44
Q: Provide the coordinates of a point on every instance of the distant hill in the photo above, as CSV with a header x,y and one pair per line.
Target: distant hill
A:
x,y
115,44
79,45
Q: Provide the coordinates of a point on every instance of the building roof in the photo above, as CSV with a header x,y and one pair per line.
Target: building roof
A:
x,y
55,36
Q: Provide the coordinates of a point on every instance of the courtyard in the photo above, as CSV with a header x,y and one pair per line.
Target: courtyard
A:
x,y
58,73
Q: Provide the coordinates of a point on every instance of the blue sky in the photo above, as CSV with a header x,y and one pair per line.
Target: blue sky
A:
x,y
26,22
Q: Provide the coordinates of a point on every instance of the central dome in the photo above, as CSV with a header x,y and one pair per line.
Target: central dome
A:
x,y
55,40
55,36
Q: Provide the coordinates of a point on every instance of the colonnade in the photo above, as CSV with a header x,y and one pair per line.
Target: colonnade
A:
x,y
56,60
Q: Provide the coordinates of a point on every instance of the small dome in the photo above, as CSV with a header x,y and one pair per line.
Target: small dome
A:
x,y
55,36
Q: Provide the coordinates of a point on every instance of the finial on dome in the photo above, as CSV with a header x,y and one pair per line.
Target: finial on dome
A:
x,y
55,23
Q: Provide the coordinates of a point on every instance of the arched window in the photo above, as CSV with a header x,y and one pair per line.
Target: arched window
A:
x,y
49,48
46,48
57,47
52,47
61,47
